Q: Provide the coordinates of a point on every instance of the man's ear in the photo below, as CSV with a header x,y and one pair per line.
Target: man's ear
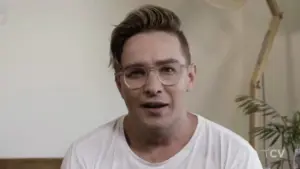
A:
x,y
192,69
118,84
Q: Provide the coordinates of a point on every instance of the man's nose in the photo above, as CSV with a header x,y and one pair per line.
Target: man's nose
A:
x,y
153,86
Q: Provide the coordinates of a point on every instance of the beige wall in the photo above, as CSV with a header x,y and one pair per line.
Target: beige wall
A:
x,y
55,82
216,39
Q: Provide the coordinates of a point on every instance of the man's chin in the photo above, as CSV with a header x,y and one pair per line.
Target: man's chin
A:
x,y
156,122
155,112
150,118
154,125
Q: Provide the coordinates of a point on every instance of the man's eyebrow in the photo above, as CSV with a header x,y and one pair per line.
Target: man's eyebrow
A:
x,y
159,62
166,61
134,65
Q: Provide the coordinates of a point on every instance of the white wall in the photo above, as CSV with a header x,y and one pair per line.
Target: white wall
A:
x,y
55,81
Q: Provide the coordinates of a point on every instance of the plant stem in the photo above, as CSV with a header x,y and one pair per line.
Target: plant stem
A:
x,y
289,157
284,144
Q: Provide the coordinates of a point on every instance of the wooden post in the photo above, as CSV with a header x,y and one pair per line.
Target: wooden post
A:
x,y
263,57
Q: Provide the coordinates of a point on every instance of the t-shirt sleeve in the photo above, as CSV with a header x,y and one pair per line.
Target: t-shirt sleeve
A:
x,y
71,160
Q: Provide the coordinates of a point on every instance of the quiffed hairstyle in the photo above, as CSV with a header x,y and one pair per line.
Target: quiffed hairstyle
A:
x,y
145,19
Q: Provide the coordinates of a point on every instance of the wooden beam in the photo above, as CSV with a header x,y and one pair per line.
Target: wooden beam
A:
x,y
263,57
274,8
31,163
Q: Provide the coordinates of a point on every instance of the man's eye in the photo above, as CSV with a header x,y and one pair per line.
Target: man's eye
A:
x,y
168,69
135,73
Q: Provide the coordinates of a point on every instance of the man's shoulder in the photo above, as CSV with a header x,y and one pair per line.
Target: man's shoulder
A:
x,y
99,137
227,147
221,134
89,148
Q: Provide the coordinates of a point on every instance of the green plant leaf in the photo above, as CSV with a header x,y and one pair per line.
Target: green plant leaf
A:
x,y
249,106
267,133
245,103
274,140
268,113
286,131
252,109
270,135
241,98
278,126
275,116
277,164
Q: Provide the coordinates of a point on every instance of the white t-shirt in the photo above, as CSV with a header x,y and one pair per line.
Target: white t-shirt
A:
x,y
211,147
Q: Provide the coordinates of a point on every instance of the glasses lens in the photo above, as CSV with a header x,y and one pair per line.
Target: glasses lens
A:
x,y
169,74
135,77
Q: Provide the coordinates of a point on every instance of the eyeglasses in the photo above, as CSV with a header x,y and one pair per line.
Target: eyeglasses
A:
x,y
168,74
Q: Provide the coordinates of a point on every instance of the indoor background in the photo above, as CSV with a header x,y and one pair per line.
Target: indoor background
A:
x,y
55,83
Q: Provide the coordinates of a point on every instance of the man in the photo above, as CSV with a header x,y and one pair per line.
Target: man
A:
x,y
153,71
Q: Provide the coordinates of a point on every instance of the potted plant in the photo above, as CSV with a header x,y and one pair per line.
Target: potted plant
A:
x,y
278,130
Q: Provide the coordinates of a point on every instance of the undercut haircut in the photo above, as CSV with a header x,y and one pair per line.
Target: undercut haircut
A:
x,y
146,18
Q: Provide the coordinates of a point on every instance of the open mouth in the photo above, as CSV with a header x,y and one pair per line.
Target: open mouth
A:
x,y
154,105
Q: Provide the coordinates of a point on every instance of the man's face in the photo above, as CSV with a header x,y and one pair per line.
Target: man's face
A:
x,y
155,104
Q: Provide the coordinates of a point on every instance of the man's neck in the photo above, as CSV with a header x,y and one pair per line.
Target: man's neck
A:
x,y
145,139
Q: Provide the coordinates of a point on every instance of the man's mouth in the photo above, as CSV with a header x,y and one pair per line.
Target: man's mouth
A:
x,y
154,105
